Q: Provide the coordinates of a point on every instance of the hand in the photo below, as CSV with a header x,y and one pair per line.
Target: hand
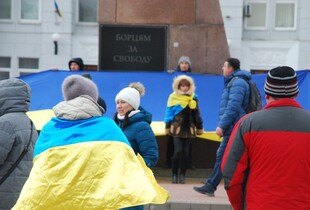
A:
x,y
199,131
167,131
219,131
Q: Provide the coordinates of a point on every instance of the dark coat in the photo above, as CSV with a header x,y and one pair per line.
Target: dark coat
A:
x,y
186,122
183,121
15,132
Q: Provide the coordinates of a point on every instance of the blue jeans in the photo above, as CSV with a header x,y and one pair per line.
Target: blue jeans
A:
x,y
216,175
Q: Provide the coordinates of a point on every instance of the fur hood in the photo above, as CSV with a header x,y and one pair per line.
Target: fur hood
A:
x,y
177,81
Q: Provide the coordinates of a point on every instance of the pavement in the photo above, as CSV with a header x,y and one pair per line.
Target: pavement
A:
x,y
184,197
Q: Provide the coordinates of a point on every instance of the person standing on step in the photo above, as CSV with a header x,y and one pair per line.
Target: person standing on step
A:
x,y
183,122
184,66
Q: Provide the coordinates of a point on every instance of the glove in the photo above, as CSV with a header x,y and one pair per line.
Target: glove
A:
x,y
167,131
199,131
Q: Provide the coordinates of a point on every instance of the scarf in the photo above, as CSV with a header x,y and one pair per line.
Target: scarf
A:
x,y
182,100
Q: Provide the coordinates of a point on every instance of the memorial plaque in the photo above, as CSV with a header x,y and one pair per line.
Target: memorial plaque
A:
x,y
132,48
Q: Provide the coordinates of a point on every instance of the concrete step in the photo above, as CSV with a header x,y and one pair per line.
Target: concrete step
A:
x,y
183,197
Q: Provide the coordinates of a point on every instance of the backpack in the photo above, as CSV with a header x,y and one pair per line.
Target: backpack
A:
x,y
255,102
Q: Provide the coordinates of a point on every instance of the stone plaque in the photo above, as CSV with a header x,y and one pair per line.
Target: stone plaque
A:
x,y
132,48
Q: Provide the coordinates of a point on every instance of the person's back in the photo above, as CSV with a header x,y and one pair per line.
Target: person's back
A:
x,y
270,165
279,155
16,132
82,160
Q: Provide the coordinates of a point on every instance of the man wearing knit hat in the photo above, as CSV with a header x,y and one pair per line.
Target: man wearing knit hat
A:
x,y
184,64
266,164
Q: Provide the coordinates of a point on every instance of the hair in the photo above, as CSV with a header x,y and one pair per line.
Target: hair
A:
x,y
234,63
184,82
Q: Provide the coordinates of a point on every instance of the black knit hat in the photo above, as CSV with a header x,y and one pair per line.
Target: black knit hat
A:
x,y
281,82
78,61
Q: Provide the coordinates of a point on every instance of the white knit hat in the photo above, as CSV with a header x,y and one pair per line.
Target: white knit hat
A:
x,y
129,95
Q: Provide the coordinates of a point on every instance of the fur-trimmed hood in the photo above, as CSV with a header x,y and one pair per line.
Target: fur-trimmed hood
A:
x,y
177,81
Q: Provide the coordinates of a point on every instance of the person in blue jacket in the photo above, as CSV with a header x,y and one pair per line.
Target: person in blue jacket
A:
x,y
135,122
234,101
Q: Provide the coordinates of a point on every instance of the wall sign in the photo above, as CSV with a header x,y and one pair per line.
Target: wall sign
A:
x,y
132,48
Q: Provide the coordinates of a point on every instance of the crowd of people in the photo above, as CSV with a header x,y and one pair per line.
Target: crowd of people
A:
x,y
84,160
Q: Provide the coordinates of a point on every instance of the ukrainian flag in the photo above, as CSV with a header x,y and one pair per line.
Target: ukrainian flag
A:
x,y
87,164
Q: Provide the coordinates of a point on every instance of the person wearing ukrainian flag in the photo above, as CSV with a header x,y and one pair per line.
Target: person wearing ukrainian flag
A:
x,y
183,121
82,160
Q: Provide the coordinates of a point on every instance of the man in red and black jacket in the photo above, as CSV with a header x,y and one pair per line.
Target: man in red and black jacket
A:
x,y
266,164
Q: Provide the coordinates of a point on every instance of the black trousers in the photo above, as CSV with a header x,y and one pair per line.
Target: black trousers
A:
x,y
180,159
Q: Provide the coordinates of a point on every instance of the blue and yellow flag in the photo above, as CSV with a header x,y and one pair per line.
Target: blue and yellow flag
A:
x,y
87,164
57,9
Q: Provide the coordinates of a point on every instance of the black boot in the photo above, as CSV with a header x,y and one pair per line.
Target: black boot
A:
x,y
175,170
182,179
174,179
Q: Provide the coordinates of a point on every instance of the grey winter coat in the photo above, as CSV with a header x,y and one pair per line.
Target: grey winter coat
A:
x,y
15,132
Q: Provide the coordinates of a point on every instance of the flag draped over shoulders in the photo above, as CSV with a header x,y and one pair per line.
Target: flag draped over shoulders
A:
x,y
92,168
177,102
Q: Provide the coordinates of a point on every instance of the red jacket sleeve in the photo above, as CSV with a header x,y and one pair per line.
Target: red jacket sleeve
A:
x,y
235,167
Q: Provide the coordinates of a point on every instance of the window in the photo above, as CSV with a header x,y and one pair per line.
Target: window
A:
x,y
5,9
28,63
285,15
257,15
4,75
87,11
5,65
5,62
30,10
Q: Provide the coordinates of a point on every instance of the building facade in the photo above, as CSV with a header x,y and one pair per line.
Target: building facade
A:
x,y
268,33
28,30
261,33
